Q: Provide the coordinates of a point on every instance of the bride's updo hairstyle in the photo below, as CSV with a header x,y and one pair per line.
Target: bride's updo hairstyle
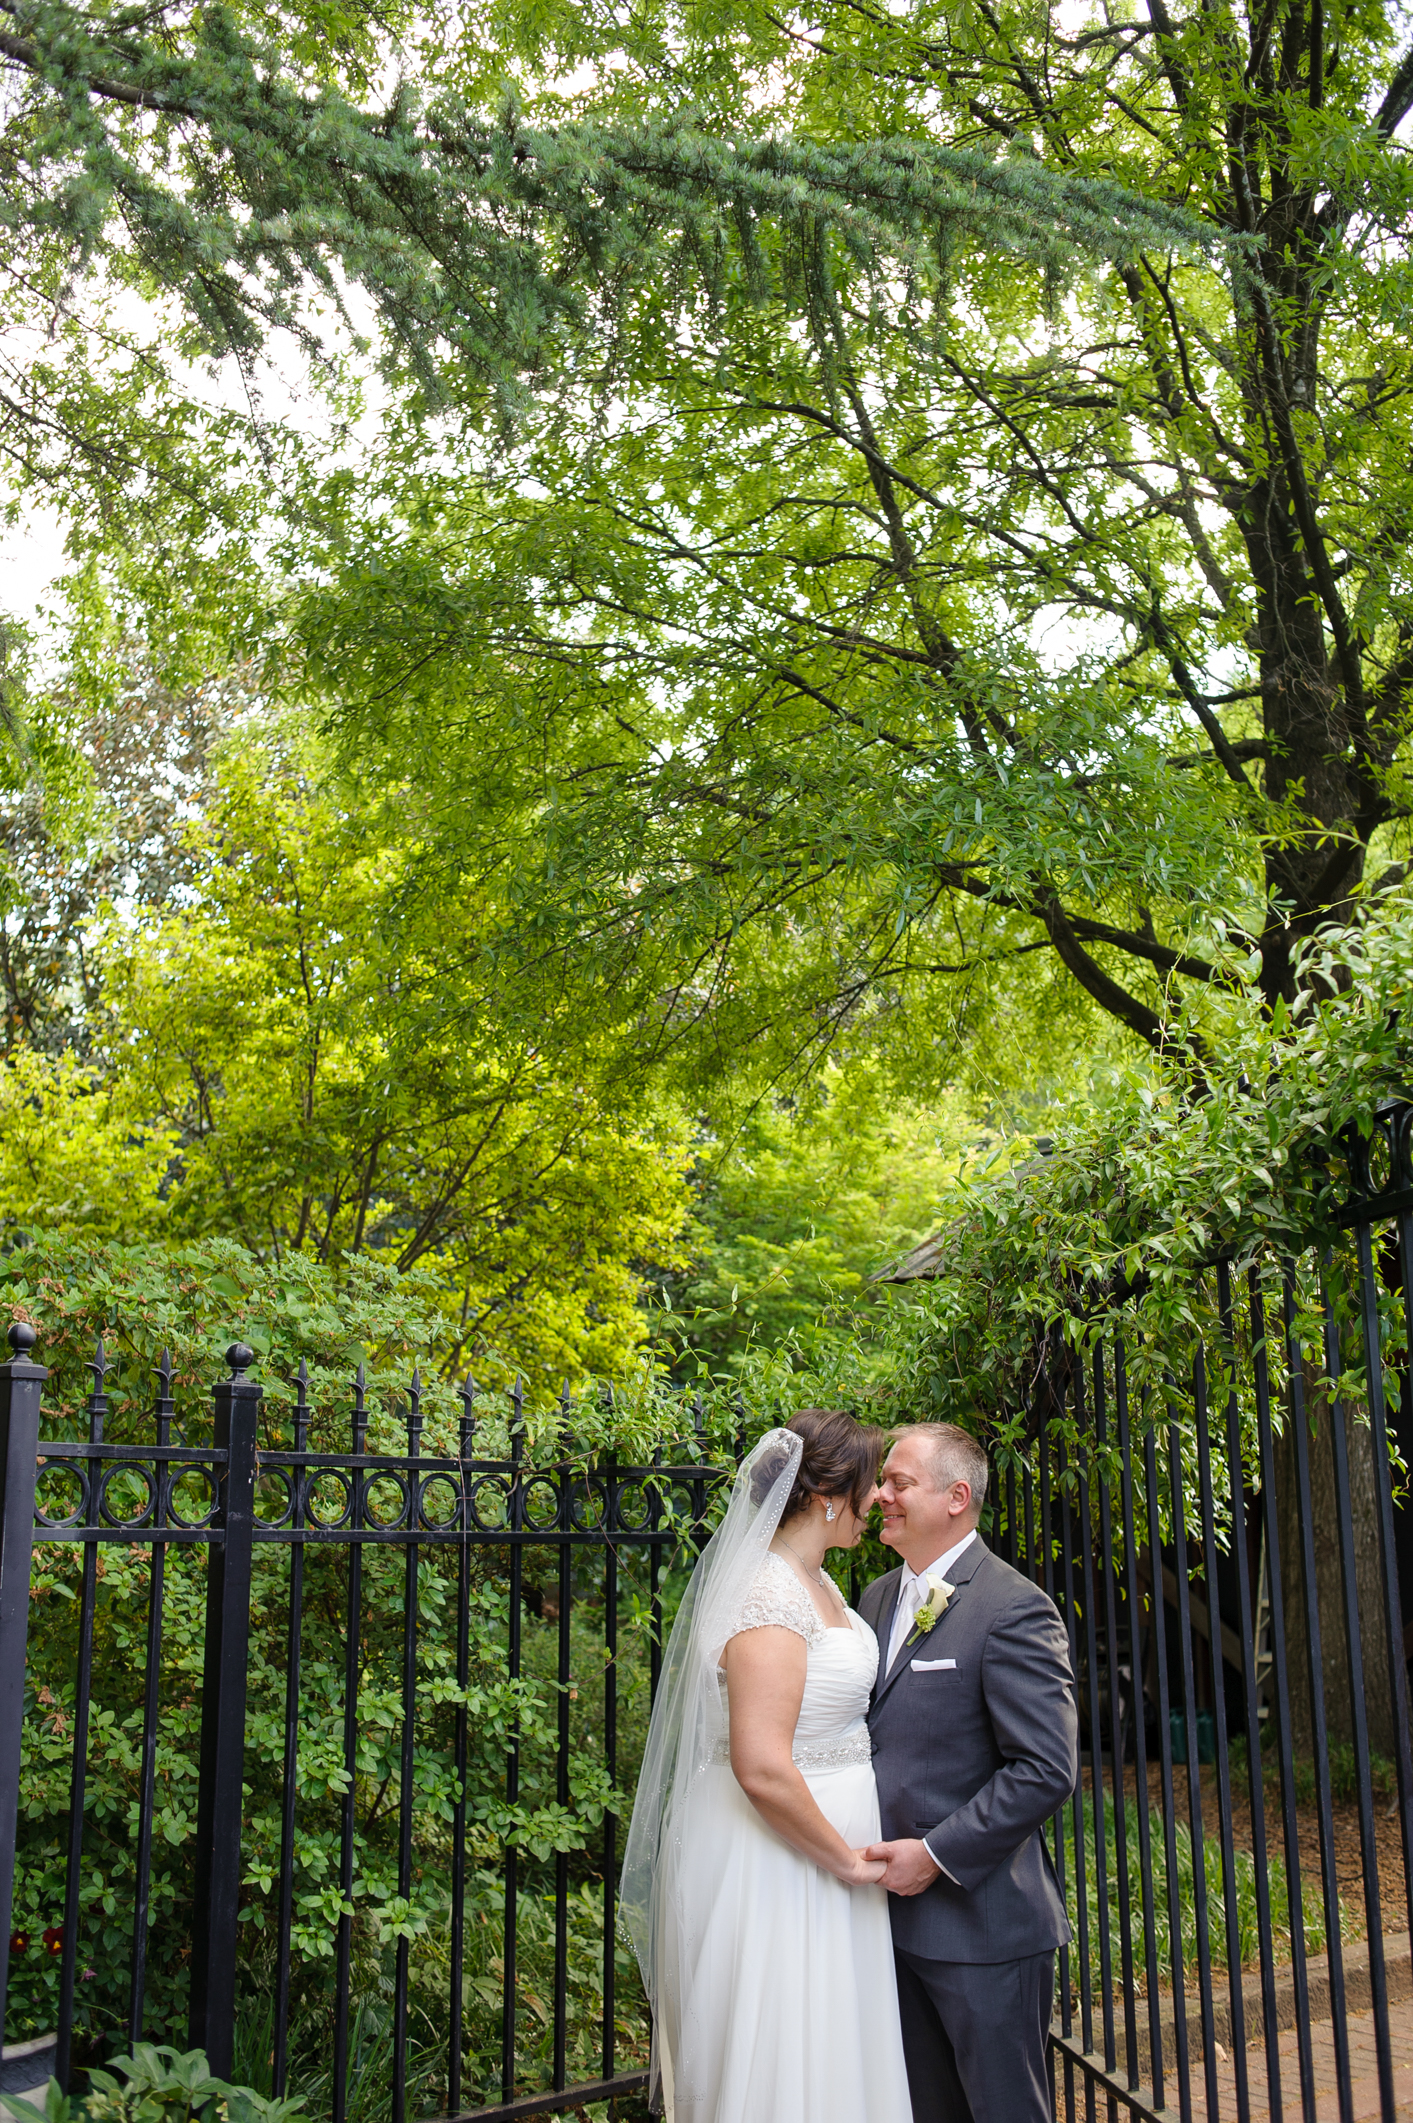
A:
x,y
840,1458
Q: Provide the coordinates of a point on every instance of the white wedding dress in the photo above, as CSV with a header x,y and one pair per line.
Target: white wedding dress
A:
x,y
776,1994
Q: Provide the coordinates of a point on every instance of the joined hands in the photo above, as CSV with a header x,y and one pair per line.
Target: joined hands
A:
x,y
908,1865
866,1871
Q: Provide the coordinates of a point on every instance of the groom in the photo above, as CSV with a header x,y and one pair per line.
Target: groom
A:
x,y
975,1743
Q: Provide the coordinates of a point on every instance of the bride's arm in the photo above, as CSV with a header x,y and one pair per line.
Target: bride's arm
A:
x,y
765,1682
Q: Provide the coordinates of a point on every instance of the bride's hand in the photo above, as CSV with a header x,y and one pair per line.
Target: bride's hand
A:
x,y
865,1872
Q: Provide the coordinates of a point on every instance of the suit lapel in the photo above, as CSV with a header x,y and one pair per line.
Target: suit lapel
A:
x,y
958,1576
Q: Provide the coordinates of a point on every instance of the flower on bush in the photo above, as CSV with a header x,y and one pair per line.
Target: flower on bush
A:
x,y
54,1938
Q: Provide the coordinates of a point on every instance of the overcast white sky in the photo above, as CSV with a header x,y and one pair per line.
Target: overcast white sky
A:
x,y
31,555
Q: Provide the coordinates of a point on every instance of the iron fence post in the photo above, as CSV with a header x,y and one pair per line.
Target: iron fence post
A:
x,y
20,1385
211,2024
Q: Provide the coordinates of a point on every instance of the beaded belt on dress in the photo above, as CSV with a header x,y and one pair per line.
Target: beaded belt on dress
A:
x,y
830,1754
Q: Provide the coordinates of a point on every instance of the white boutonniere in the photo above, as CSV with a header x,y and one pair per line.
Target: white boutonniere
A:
x,y
939,1592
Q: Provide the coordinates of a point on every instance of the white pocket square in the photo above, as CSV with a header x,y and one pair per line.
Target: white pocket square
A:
x,y
934,1665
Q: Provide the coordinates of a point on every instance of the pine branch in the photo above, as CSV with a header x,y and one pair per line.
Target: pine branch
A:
x,y
483,232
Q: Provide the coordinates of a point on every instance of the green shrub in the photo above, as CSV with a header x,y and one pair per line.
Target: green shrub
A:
x,y
156,2085
1343,1774
1223,1952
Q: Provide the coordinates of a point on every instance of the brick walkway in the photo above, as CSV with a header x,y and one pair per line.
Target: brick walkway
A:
x,y
1363,2073
1363,2068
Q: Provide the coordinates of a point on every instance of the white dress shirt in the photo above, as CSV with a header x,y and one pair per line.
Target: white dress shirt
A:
x,y
911,1595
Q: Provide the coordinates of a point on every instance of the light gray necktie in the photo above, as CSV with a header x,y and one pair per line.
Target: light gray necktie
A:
x,y
909,1600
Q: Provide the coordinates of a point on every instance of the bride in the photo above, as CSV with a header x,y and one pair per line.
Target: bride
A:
x,y
759,1927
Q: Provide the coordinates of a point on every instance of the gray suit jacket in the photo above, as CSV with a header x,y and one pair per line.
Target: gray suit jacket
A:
x,y
975,1754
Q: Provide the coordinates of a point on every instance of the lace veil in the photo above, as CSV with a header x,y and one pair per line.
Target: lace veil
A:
x,y
689,1716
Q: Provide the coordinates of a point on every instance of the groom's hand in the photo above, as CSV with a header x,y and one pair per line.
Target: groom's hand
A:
x,y
909,1867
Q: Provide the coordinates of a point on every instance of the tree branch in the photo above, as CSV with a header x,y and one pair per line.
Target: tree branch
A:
x,y
1166,31
1398,97
28,56
1094,980
1221,744
1139,946
1079,926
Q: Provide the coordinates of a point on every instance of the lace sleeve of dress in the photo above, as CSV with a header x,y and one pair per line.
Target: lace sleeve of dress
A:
x,y
777,1600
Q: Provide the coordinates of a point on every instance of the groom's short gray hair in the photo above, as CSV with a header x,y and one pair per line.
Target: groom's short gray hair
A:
x,y
956,1457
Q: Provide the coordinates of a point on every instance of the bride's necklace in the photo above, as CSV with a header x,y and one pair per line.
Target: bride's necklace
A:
x,y
817,1575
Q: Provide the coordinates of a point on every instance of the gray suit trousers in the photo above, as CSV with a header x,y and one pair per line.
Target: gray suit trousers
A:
x,y
974,2036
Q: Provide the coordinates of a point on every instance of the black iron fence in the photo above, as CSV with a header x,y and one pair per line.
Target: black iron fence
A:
x,y
1224,1539
307,1782
321,1739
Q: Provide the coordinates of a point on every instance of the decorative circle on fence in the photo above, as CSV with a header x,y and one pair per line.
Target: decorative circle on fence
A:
x,y
1400,1127
490,1503
588,1503
634,1507
117,1489
680,1504
541,1504
385,1501
438,1503
59,1485
328,1499
1378,1161
274,1497
185,1506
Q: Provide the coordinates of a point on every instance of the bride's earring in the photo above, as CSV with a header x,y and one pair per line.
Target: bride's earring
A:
x,y
829,1512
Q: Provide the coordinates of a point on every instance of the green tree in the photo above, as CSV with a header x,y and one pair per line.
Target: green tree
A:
x,y
300,1050
989,618
235,172
76,1151
92,810
797,1213
923,645
339,1082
